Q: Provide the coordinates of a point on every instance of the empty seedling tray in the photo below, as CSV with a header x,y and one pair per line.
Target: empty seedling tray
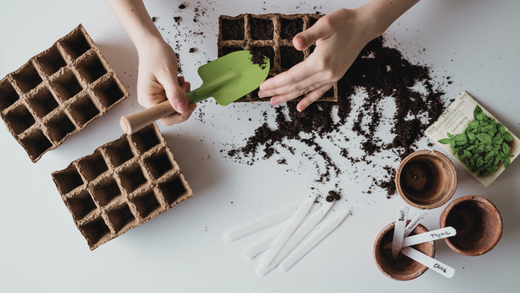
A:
x,y
122,185
58,92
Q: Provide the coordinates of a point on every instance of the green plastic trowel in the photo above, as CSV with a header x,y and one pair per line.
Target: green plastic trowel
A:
x,y
226,79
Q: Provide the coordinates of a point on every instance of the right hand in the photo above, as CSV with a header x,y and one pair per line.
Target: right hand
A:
x,y
157,81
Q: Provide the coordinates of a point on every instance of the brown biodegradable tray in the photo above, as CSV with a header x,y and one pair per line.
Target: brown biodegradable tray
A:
x,y
122,185
272,35
58,92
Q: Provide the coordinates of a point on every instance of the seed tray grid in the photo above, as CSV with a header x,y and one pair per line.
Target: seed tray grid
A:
x,y
52,87
110,192
247,32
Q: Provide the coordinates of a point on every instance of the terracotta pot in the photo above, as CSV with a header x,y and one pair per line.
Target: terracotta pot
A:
x,y
400,268
426,179
478,224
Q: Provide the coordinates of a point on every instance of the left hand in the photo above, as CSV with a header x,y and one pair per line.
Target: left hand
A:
x,y
339,37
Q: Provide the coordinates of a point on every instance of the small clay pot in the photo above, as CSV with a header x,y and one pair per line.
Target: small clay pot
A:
x,y
401,268
426,179
478,224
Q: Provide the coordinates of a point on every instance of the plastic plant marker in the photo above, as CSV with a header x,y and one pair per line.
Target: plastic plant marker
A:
x,y
400,225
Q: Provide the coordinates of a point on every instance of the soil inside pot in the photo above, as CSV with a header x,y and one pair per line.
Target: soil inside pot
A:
x,y
401,267
469,221
420,180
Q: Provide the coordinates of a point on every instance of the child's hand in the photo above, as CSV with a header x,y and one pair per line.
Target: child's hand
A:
x,y
157,81
339,37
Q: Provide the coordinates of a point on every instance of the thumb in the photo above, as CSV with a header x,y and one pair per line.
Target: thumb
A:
x,y
174,92
308,37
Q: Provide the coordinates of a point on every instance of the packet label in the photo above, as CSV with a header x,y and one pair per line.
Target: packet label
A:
x,y
455,120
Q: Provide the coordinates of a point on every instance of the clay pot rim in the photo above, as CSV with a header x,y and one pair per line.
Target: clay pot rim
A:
x,y
418,153
477,198
377,244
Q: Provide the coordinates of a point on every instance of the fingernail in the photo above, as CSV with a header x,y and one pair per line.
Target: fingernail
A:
x,y
263,86
274,101
182,107
298,42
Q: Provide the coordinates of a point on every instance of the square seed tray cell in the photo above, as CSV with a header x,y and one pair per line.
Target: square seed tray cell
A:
x,y
121,185
58,92
271,34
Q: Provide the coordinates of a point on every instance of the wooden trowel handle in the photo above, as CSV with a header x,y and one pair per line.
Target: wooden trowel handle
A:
x,y
133,122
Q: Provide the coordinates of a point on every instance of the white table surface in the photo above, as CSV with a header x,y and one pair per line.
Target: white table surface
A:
x,y
477,43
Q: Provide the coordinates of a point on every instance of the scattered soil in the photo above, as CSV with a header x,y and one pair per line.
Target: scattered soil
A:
x,y
370,74
266,51
182,39
179,68
197,14
380,72
333,196
258,58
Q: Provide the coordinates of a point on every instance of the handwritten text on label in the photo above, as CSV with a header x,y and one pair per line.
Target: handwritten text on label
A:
x,y
439,267
440,235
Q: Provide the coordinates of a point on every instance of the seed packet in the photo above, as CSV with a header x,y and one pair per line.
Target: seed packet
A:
x,y
476,139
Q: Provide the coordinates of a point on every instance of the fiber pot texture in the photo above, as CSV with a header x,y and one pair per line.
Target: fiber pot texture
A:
x,y
478,224
426,179
400,268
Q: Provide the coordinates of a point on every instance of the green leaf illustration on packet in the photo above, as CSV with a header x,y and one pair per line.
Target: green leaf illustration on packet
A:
x,y
483,145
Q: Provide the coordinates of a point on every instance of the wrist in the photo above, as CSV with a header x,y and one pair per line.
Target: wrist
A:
x,y
380,14
148,42
375,24
136,21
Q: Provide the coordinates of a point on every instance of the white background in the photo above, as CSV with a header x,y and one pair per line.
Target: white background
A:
x,y
477,43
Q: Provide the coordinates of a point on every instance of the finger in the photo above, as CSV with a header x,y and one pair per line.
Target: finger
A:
x,y
149,100
313,97
320,30
302,87
149,91
179,117
290,96
276,100
181,80
173,91
298,72
186,86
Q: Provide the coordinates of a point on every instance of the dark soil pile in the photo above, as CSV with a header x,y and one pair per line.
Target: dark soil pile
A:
x,y
381,72
258,58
